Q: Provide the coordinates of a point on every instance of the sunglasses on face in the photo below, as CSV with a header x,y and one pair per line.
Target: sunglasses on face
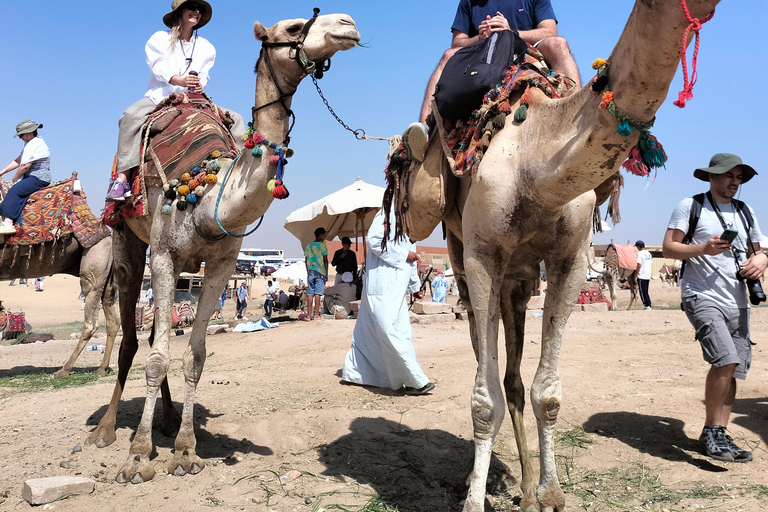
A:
x,y
192,6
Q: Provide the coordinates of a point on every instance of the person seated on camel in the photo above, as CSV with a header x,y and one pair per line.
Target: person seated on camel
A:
x,y
180,61
33,172
476,20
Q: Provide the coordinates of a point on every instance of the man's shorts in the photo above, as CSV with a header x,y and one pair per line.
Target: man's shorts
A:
x,y
722,332
315,283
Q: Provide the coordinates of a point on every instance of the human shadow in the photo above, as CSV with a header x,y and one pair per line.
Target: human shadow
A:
x,y
413,470
374,389
209,444
658,436
755,411
18,371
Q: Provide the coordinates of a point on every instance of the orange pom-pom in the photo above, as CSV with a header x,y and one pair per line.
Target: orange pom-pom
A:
x,y
193,184
607,98
185,177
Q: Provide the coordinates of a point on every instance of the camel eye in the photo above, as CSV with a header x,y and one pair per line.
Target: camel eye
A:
x,y
294,29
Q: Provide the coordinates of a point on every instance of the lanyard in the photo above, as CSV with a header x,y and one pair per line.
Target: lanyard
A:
x,y
722,220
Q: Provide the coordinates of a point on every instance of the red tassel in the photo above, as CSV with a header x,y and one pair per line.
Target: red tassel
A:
x,y
634,164
280,192
274,159
249,144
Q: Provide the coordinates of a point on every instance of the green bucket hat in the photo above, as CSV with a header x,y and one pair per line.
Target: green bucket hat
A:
x,y
722,163
27,126
205,12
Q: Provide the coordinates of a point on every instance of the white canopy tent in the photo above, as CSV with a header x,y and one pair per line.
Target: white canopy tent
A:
x,y
346,212
295,272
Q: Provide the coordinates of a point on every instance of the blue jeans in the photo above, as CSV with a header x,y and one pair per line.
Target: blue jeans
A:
x,y
17,196
315,283
268,306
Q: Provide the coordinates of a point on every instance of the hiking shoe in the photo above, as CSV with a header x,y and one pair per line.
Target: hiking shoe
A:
x,y
739,455
423,390
647,308
415,140
6,228
714,444
119,191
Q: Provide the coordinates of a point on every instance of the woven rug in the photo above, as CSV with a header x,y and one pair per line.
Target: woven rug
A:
x,y
592,295
54,212
182,131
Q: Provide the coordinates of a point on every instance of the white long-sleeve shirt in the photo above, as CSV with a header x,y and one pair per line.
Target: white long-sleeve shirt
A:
x,y
164,64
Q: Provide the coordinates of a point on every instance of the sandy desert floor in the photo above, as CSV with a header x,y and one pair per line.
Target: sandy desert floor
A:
x,y
272,401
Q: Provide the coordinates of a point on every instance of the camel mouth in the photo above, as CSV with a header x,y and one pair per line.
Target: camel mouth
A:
x,y
345,41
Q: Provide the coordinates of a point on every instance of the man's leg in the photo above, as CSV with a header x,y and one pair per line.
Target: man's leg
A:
x,y
426,109
557,53
719,394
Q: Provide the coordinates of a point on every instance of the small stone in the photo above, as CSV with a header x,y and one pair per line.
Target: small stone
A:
x,y
103,465
39,491
308,500
65,464
39,469
77,448
255,500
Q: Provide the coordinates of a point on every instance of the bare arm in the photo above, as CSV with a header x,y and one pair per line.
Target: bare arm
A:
x,y
460,39
21,171
673,246
325,263
11,166
547,28
755,266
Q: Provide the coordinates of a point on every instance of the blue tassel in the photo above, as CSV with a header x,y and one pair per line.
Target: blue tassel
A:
x,y
624,129
214,165
191,198
257,152
166,209
521,114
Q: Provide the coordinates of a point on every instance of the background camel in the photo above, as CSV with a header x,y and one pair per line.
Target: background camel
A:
x,y
533,199
613,273
184,239
94,267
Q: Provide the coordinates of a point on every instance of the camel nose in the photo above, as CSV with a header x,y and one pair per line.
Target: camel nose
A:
x,y
346,20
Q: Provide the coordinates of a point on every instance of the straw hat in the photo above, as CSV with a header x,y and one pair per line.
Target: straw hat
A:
x,y
205,12
27,126
722,163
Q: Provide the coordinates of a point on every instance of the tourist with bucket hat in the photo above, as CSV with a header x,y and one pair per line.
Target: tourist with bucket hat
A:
x,y
718,239
33,172
180,61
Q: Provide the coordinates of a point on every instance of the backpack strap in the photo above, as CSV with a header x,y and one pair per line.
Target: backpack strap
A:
x,y
746,220
693,221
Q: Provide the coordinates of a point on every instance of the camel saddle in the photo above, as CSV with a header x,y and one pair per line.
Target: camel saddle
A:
x,y
422,193
53,213
182,131
621,256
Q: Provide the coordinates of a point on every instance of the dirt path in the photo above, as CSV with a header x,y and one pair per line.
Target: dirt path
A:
x,y
272,401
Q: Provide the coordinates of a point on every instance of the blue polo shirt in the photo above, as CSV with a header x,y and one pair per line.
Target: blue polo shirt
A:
x,y
521,14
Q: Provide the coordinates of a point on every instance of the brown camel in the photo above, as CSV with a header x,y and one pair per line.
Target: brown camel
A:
x,y
532,199
94,267
184,239
613,273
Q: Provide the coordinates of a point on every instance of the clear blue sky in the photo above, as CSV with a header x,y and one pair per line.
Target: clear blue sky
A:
x,y
76,65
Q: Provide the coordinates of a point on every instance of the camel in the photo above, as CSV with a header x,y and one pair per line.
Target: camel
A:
x,y
94,267
532,199
184,239
613,273
670,273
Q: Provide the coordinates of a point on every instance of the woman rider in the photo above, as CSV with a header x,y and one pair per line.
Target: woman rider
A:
x,y
180,61
33,172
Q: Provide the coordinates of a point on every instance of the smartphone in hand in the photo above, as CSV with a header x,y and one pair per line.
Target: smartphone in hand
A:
x,y
729,235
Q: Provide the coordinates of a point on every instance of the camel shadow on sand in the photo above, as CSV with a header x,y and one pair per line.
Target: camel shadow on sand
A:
x,y
209,445
18,371
414,470
755,419
657,436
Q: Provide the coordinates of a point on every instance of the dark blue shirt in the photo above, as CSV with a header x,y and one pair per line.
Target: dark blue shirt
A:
x,y
521,14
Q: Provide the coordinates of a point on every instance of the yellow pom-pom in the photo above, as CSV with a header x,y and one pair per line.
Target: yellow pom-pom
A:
x,y
185,177
211,179
216,154
183,190
271,185
598,63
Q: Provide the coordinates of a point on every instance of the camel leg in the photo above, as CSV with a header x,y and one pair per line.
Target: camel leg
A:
x,y
185,460
565,278
108,306
456,255
129,253
92,286
514,298
485,266
632,279
137,468
611,279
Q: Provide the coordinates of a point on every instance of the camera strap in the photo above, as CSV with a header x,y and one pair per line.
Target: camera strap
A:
x,y
738,208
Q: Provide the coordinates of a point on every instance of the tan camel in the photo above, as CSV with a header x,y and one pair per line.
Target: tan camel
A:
x,y
613,273
532,199
183,240
94,267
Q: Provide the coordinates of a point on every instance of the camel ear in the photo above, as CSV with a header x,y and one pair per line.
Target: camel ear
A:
x,y
260,32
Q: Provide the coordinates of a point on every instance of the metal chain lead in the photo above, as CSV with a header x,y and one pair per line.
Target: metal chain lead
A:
x,y
359,133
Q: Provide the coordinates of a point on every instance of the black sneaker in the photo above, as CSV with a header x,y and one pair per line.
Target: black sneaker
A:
x,y
739,455
714,444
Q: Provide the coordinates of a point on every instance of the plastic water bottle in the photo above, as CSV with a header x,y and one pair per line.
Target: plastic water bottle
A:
x,y
97,347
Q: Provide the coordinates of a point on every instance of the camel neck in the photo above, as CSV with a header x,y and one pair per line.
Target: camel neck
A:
x,y
274,96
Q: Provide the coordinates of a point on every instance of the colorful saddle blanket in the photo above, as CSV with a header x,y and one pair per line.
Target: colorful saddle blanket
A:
x,y
592,295
621,256
182,131
54,212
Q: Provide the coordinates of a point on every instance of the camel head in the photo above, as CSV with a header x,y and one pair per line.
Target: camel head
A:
x,y
327,35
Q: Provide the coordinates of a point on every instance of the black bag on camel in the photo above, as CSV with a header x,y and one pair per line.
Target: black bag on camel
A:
x,y
473,71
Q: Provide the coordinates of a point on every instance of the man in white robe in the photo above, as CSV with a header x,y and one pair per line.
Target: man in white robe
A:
x,y
382,353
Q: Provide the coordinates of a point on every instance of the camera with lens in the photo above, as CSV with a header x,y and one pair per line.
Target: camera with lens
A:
x,y
755,289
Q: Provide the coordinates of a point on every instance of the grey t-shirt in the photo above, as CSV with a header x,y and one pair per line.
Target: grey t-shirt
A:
x,y
714,277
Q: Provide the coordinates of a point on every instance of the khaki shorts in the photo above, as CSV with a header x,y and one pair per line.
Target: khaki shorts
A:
x,y
722,332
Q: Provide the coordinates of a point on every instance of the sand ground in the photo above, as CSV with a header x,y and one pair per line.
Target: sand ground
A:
x,y
272,401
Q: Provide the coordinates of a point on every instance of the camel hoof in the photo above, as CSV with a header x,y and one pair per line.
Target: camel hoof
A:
x,y
102,437
59,374
137,466
186,462
101,371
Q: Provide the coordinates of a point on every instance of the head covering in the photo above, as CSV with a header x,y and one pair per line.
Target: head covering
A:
x,y
347,277
640,243
205,12
27,126
722,163
440,271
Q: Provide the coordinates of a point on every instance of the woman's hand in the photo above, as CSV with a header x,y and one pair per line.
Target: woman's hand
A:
x,y
191,82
